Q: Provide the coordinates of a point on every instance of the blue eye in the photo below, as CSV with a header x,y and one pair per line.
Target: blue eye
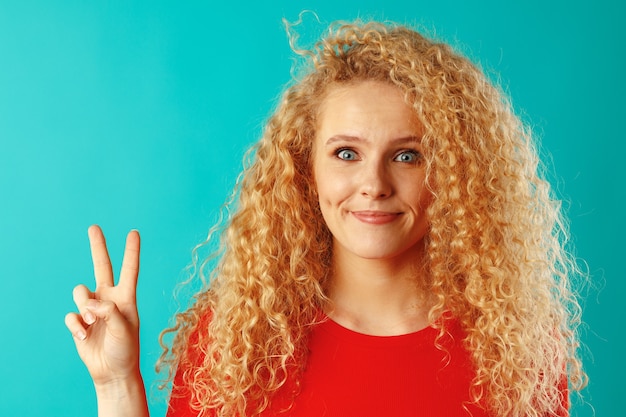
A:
x,y
346,154
408,156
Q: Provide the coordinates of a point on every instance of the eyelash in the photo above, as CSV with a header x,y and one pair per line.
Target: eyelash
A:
x,y
340,151
416,154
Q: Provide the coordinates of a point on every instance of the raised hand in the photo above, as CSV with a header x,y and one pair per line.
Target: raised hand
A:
x,y
106,327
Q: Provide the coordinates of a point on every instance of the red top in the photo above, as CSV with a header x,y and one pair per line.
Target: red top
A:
x,y
352,374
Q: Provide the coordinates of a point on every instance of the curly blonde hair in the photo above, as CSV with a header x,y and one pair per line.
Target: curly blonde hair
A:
x,y
495,250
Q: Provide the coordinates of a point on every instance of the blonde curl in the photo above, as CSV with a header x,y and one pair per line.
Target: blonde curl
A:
x,y
496,250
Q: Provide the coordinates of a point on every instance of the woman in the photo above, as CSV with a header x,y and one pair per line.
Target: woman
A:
x,y
392,251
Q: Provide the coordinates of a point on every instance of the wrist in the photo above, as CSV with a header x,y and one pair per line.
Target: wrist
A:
x,y
118,385
122,397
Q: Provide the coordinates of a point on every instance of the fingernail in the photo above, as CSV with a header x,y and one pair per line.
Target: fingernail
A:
x,y
80,335
90,318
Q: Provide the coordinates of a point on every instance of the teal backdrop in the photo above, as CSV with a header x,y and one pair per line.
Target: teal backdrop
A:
x,y
136,114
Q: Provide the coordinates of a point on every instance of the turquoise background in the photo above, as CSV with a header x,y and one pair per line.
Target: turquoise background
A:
x,y
136,115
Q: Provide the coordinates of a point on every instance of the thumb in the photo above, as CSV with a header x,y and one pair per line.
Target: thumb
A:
x,y
108,312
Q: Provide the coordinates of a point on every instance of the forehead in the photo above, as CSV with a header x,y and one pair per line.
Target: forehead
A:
x,y
365,108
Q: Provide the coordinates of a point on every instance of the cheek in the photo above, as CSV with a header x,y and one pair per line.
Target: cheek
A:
x,y
332,190
324,192
419,196
425,198
323,184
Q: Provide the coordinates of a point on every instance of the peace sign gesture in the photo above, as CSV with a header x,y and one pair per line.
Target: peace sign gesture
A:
x,y
106,327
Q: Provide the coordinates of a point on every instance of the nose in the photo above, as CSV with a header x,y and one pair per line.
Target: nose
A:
x,y
375,181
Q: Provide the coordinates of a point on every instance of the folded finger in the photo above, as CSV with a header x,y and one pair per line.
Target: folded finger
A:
x,y
82,295
76,326
110,314
102,268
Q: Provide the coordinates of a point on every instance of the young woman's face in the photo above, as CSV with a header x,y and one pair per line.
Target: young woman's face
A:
x,y
369,171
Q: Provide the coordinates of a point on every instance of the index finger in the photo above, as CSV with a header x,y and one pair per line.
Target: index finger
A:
x,y
102,269
130,263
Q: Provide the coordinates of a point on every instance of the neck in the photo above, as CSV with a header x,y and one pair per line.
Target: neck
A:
x,y
381,297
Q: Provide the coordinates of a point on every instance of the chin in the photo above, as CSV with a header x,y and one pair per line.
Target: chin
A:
x,y
384,252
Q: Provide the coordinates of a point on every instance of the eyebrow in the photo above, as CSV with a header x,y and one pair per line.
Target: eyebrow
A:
x,y
349,138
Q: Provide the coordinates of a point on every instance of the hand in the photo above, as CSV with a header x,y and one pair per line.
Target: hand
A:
x,y
106,328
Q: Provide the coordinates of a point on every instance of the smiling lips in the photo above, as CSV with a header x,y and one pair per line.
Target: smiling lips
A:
x,y
375,217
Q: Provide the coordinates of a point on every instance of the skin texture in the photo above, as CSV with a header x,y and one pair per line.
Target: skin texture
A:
x,y
368,171
106,329
369,175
